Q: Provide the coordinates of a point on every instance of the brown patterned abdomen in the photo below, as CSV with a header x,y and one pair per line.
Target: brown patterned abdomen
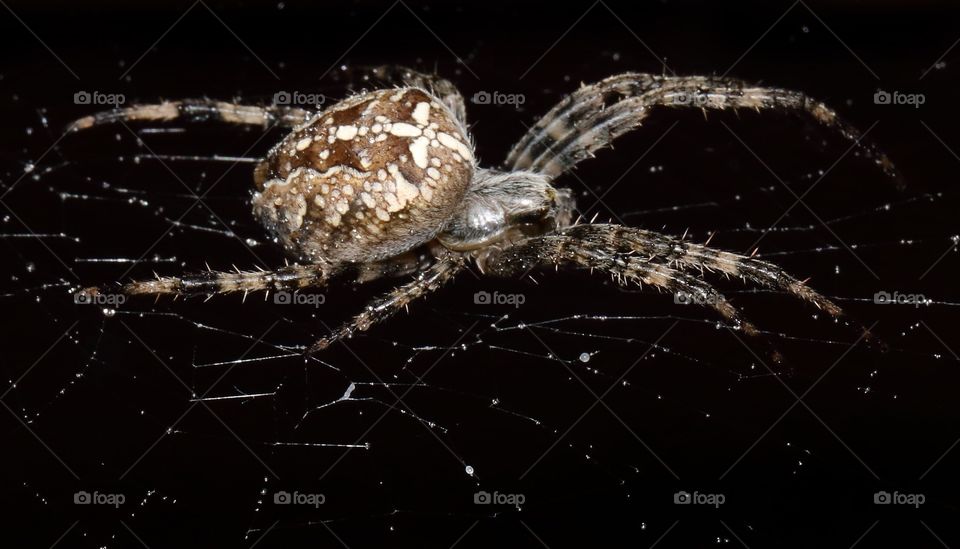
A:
x,y
369,178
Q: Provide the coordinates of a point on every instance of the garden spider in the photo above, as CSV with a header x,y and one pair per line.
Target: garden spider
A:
x,y
385,183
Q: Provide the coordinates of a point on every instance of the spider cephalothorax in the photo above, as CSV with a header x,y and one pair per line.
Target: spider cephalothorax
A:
x,y
386,183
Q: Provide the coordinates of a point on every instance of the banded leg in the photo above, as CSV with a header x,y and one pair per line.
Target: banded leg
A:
x,y
440,87
385,306
688,255
593,250
592,117
291,277
198,110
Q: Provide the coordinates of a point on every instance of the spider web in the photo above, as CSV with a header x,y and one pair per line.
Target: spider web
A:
x,y
586,399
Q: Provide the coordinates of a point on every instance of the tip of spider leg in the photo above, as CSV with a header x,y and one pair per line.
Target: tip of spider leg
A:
x,y
776,357
749,328
318,346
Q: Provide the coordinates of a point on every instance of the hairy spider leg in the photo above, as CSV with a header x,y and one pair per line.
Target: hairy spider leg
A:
x,y
386,305
198,110
290,277
593,116
688,255
594,250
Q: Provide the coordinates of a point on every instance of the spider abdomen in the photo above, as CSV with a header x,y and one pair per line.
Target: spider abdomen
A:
x,y
369,178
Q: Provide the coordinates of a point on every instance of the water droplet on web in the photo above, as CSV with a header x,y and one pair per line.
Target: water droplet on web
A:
x,y
584,357
469,470
31,267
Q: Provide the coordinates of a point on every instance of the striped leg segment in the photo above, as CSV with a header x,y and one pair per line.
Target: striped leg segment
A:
x,y
385,306
198,110
292,277
594,250
593,116
687,255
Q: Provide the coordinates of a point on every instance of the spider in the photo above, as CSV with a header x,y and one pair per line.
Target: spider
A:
x,y
386,183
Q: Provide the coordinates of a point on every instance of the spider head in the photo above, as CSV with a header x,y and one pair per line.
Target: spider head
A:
x,y
369,178
507,206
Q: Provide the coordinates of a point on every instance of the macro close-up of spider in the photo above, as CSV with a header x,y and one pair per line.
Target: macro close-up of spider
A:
x,y
457,274
386,183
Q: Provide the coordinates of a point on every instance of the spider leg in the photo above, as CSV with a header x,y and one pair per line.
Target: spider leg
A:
x,y
198,110
386,305
593,116
440,87
291,277
688,255
697,256
595,249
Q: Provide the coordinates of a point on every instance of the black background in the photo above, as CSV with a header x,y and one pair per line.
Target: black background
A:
x,y
109,407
